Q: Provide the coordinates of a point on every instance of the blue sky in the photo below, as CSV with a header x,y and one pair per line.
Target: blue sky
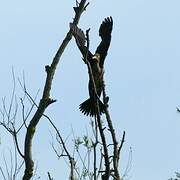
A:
x,y
141,71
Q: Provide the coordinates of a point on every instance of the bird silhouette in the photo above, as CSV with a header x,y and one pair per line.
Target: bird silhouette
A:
x,y
96,61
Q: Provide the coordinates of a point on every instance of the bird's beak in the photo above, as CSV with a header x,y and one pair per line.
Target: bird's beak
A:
x,y
96,57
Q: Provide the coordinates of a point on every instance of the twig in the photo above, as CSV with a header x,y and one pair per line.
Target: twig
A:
x,y
49,176
71,159
61,141
95,160
113,135
122,142
16,142
100,164
3,174
12,97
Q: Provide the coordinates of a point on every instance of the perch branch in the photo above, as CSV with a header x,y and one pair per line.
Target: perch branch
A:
x,y
97,117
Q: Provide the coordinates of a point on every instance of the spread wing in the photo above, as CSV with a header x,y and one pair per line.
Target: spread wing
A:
x,y
80,41
105,34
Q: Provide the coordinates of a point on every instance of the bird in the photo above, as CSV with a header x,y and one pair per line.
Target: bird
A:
x,y
96,61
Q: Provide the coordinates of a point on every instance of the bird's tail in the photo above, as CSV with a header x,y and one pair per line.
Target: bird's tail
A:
x,y
89,107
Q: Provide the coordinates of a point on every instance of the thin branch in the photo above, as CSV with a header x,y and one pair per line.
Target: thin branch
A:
x,y
11,168
2,173
97,117
23,116
49,176
95,134
6,167
19,168
100,164
113,135
83,163
16,143
121,145
15,162
32,101
13,93
128,166
71,159
95,161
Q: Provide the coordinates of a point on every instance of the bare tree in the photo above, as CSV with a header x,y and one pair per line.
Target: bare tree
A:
x,y
105,154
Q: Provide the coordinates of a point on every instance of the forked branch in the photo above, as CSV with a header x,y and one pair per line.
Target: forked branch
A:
x,y
46,100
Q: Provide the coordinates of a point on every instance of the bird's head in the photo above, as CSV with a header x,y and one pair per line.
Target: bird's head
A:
x,y
96,57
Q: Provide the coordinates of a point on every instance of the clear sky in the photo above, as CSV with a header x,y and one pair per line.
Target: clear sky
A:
x,y
142,73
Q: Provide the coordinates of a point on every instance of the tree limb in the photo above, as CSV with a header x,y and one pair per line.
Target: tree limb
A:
x,y
97,117
46,100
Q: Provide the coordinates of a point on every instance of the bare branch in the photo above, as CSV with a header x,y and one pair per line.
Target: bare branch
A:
x,y
13,94
49,176
71,159
128,166
97,117
116,151
16,143
46,100
122,142
3,174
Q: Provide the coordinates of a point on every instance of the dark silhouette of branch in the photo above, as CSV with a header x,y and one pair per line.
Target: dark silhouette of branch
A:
x,y
100,164
116,150
46,100
122,142
16,142
49,176
111,160
13,132
97,117
95,132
